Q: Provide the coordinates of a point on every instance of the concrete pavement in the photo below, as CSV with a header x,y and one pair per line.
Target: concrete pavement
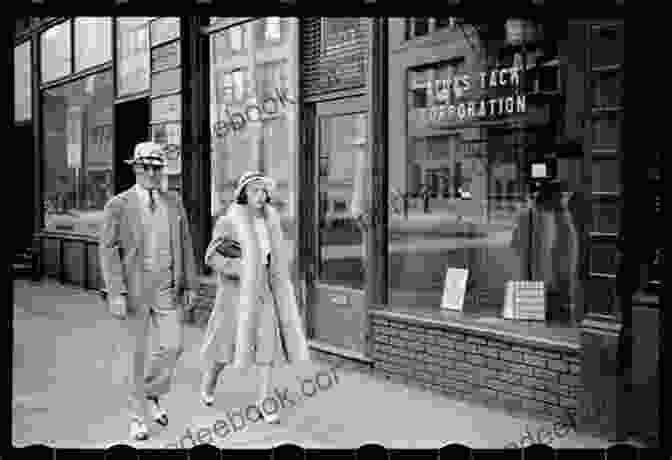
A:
x,y
66,394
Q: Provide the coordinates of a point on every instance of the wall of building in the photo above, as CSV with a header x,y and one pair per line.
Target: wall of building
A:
x,y
506,373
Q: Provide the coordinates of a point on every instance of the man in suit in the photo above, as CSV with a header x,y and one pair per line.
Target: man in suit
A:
x,y
148,266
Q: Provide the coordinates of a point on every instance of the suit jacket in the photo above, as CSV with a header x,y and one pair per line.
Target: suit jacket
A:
x,y
122,247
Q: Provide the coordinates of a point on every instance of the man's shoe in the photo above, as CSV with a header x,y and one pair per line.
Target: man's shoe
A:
x,y
206,399
139,431
158,413
269,418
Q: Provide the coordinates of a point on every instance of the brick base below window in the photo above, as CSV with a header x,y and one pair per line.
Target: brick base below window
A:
x,y
462,364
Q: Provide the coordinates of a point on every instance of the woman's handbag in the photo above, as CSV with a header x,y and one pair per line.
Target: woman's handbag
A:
x,y
229,248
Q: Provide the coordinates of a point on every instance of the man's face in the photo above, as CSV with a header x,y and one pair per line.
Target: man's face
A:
x,y
256,195
149,176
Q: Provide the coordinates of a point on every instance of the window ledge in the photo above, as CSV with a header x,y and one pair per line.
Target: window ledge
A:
x,y
561,338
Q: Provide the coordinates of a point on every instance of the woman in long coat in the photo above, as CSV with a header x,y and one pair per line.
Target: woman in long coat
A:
x,y
261,327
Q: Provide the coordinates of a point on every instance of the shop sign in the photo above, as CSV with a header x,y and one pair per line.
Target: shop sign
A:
x,y
456,103
339,32
342,59
74,136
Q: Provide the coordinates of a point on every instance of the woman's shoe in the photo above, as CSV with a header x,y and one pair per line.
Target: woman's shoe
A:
x,y
207,399
208,385
138,430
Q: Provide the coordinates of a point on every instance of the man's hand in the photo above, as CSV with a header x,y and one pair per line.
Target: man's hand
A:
x,y
188,299
119,307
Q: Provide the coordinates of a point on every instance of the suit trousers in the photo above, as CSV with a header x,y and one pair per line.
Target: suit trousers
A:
x,y
158,318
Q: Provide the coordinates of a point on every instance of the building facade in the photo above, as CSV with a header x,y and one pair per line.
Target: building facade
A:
x,y
381,209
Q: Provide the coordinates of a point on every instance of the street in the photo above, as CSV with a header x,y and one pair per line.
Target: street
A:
x,y
66,393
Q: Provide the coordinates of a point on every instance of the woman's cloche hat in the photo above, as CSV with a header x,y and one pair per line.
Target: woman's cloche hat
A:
x,y
149,153
250,177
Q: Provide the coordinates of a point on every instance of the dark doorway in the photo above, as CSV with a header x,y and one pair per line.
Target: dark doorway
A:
x,y
24,208
131,126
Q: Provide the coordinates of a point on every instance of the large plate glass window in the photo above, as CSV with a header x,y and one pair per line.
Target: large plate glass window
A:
x,y
458,174
78,152
253,111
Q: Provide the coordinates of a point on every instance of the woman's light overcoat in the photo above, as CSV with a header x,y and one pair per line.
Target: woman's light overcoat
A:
x,y
236,327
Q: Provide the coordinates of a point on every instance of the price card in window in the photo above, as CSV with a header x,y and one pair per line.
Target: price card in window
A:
x,y
455,288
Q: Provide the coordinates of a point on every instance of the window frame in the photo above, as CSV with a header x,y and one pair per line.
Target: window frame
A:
x,y
75,53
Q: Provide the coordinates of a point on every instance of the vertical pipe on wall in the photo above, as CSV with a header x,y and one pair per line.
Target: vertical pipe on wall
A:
x,y
38,172
377,238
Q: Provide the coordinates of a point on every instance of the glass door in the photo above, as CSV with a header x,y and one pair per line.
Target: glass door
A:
x,y
338,319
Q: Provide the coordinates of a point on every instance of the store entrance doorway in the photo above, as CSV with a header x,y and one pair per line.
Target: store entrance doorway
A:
x,y
338,316
131,122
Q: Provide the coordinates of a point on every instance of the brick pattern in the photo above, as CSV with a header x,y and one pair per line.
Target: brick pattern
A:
x,y
515,377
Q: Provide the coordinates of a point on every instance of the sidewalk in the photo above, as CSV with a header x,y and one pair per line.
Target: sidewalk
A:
x,y
65,393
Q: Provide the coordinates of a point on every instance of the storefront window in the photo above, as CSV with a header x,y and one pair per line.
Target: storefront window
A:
x,y
78,155
22,82
253,108
56,52
460,179
133,55
93,42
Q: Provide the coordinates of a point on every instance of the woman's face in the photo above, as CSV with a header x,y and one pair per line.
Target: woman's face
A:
x,y
256,195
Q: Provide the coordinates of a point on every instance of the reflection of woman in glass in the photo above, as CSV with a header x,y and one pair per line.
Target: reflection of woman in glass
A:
x,y
262,326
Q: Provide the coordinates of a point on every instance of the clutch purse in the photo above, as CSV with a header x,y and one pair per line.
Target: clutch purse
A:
x,y
229,248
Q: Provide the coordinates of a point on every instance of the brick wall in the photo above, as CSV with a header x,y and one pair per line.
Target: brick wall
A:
x,y
505,374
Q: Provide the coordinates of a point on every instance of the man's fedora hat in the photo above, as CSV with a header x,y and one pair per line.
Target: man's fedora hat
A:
x,y
250,177
149,153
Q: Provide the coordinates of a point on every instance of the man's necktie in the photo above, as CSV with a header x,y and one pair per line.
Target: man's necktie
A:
x,y
152,201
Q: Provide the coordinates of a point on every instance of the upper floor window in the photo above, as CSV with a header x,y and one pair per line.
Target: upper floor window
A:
x,y
418,27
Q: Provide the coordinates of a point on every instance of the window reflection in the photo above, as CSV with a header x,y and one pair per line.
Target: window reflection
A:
x,y
78,146
253,108
460,180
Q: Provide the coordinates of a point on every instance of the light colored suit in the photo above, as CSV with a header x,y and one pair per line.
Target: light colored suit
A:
x,y
154,297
